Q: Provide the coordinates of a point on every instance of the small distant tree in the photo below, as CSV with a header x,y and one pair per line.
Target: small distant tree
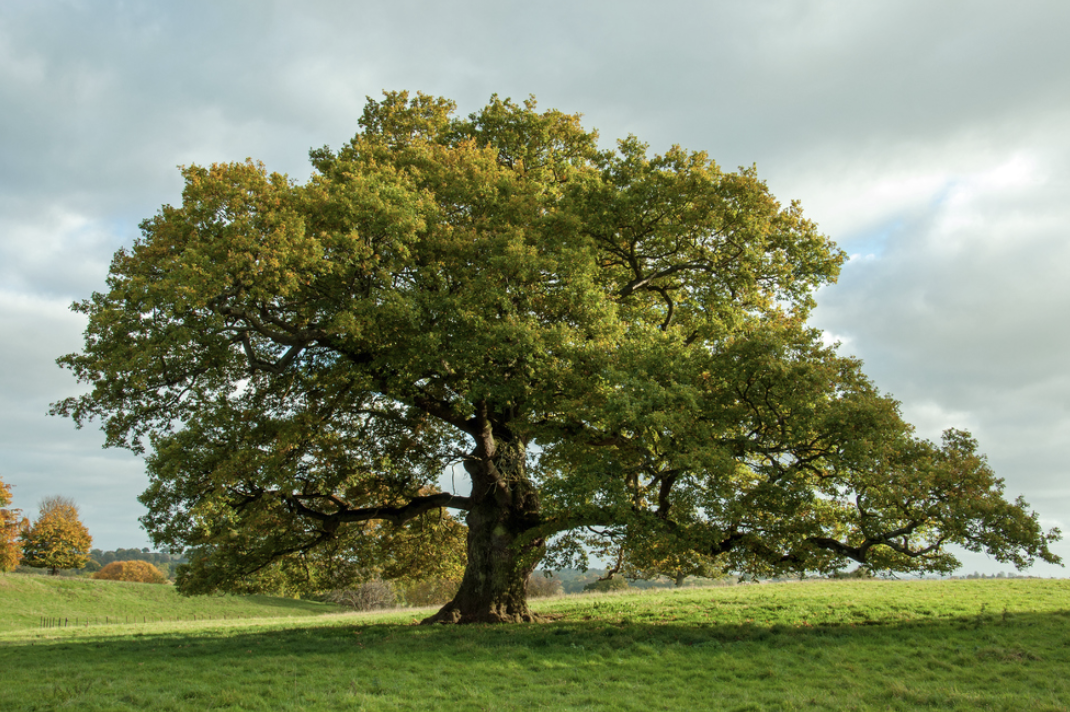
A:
x,y
10,524
136,571
58,539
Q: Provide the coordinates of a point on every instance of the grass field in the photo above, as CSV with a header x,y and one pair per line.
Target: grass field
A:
x,y
968,645
27,600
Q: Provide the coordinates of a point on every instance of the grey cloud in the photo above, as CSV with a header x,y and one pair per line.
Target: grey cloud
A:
x,y
962,316
985,300
874,114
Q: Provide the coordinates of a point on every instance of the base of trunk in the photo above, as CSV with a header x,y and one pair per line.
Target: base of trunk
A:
x,y
451,613
494,586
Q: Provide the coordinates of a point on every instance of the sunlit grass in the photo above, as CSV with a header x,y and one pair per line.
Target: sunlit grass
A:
x,y
27,601
1001,645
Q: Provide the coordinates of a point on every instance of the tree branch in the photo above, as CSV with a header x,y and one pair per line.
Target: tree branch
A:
x,y
394,515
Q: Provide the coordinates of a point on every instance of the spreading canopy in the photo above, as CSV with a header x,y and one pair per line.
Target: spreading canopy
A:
x,y
610,343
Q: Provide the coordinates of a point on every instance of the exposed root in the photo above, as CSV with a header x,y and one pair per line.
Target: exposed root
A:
x,y
451,614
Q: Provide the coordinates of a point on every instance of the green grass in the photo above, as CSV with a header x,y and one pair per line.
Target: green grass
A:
x,y
965,645
26,600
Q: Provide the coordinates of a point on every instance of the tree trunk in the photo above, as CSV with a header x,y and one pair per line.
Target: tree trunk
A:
x,y
494,587
505,506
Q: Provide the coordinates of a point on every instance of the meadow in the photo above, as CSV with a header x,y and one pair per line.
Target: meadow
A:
x,y
31,601
852,645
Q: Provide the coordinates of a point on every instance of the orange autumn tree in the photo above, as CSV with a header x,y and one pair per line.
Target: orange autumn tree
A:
x,y
10,549
58,539
136,571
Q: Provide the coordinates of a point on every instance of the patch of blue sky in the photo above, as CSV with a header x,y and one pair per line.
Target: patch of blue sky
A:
x,y
872,242
914,216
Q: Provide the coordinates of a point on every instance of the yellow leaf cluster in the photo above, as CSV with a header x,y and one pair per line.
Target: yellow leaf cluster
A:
x,y
10,550
58,539
136,571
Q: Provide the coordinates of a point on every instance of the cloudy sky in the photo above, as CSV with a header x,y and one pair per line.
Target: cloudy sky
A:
x,y
930,140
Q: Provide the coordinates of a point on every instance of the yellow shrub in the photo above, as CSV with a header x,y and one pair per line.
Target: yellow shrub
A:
x,y
139,571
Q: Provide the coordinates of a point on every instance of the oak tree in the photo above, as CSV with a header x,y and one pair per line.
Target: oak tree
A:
x,y
57,539
605,340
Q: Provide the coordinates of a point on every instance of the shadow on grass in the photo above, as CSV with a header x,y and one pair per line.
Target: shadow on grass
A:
x,y
563,636
1000,662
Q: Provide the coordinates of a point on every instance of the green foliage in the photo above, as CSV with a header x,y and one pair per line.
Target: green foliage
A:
x,y
644,557
607,341
358,554
57,539
136,571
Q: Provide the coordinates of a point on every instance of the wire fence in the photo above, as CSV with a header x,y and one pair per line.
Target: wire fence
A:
x,y
128,619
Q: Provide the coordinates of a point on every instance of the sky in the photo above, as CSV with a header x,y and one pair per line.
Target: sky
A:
x,y
931,141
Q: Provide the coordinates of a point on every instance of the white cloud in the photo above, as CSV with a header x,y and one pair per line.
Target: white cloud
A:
x,y
36,332
930,419
57,252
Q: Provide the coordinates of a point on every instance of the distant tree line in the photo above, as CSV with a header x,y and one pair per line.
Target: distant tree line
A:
x,y
59,542
578,581
96,559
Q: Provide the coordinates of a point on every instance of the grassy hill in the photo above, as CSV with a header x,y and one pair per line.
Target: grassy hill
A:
x,y
949,645
27,600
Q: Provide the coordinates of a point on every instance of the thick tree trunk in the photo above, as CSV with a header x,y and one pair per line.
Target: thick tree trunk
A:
x,y
505,507
494,587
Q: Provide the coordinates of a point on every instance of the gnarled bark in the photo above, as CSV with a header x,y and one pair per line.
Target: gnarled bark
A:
x,y
494,587
505,507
